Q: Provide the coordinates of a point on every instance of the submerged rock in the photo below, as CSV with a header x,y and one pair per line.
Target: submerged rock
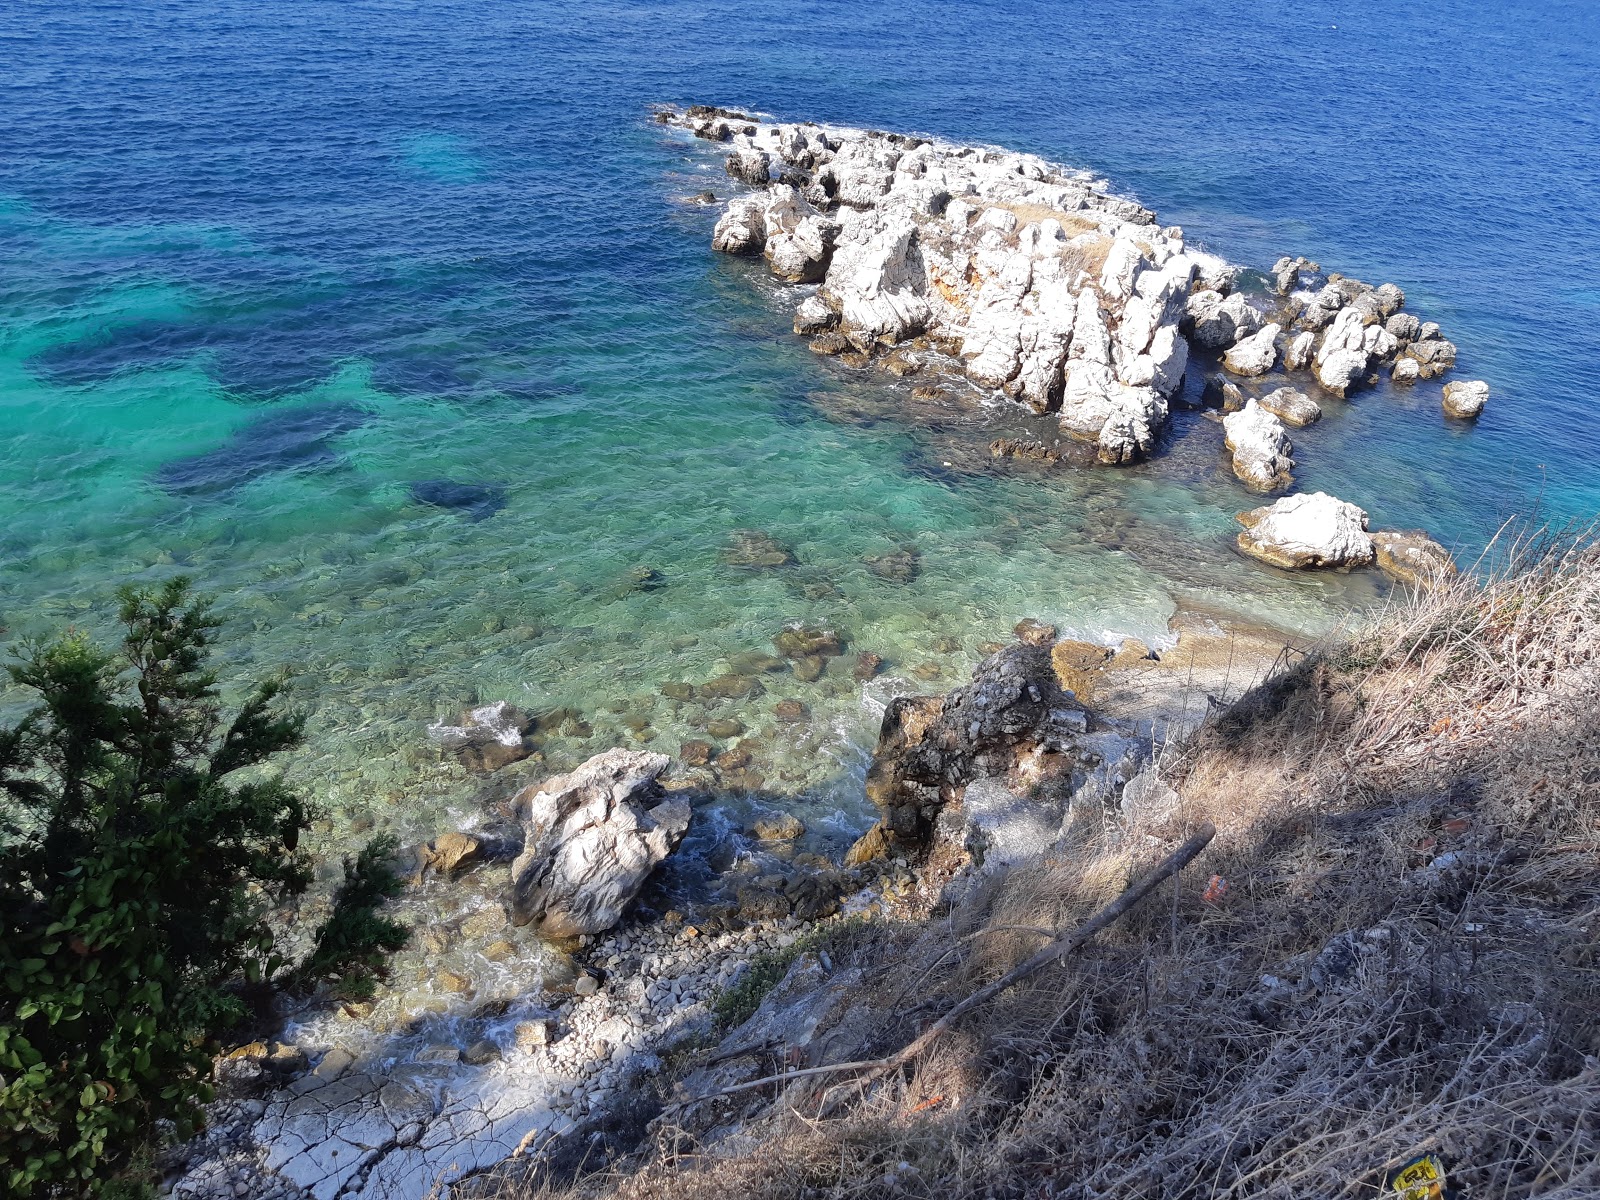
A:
x,y
592,838
1292,407
898,566
756,549
475,501
1413,557
1307,530
1260,447
488,737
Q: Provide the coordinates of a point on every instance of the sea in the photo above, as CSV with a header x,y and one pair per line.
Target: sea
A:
x,y
394,326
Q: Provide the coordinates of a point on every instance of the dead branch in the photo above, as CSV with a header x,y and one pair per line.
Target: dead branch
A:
x,y
1109,915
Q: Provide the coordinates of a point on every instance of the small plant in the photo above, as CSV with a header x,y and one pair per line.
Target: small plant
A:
x,y
738,1002
137,869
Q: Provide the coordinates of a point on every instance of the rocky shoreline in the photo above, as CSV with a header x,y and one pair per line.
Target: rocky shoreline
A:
x,y
1051,732
669,974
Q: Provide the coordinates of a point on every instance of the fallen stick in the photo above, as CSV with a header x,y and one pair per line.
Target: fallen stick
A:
x,y
1110,914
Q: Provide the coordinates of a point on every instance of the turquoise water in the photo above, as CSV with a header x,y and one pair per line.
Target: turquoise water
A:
x,y
265,268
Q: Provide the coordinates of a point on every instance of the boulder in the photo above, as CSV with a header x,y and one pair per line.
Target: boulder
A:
x,y
749,165
1080,667
871,845
449,852
1434,355
1342,370
1297,356
1254,355
1033,632
812,316
1260,447
1412,557
592,838
742,228
777,827
1221,321
487,738
1292,407
808,641
1307,531
1390,299
1403,327
1464,398
872,282
755,549
1406,370
930,747
798,241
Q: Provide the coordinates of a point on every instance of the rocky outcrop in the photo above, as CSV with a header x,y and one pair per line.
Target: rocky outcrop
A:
x,y
1307,530
1042,285
1260,447
930,747
1464,399
592,838
1038,285
1413,557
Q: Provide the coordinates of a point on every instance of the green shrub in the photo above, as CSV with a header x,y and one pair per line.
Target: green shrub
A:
x,y
136,873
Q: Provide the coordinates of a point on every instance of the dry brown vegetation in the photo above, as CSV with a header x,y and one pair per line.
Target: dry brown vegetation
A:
x,y
1403,959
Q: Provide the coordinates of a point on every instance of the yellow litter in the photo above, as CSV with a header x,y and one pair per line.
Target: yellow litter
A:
x,y
1420,1179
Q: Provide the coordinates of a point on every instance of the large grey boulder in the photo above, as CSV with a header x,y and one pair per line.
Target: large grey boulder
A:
x,y
592,838
1307,530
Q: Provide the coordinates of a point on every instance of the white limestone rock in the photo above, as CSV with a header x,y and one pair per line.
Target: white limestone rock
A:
x,y
742,228
798,240
872,281
1254,355
1220,321
1260,446
1305,531
749,165
1342,370
1292,407
1297,357
1464,398
812,316
592,838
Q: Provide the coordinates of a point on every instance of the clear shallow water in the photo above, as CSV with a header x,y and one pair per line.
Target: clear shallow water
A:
x,y
265,267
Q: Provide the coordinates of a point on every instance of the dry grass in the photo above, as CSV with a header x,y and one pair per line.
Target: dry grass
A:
x,y
1404,960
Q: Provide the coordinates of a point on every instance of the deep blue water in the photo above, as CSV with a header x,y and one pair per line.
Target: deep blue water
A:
x,y
266,268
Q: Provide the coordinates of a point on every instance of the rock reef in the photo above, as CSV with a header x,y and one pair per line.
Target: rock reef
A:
x,y
1033,282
